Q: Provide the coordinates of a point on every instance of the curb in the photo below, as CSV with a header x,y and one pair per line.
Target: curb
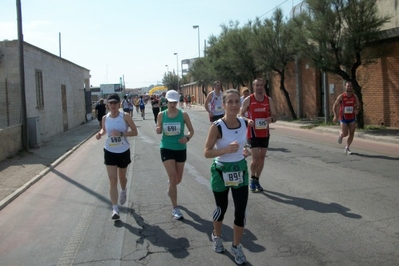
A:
x,y
334,131
19,191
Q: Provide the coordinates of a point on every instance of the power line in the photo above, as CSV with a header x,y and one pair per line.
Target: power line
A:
x,y
274,8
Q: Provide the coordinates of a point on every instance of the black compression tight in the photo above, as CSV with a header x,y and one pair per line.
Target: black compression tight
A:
x,y
240,198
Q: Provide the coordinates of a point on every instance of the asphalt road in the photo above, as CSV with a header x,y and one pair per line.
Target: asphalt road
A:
x,y
320,207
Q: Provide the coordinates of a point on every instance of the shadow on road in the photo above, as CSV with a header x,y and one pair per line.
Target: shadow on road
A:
x,y
178,247
375,156
311,205
278,149
206,227
82,187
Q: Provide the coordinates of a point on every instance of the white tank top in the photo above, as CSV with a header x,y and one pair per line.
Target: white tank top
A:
x,y
228,136
116,144
216,106
125,104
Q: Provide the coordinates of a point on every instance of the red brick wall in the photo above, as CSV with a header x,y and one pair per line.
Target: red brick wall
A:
x,y
379,82
380,87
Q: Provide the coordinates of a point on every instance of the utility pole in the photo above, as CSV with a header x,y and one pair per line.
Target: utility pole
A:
x,y
24,135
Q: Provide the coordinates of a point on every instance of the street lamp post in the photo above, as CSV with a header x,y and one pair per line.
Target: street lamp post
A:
x,y
167,69
177,67
199,50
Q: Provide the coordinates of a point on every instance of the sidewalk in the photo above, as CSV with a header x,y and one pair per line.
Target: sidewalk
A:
x,y
388,135
20,172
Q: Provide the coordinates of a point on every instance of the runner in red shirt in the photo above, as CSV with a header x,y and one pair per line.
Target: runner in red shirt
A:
x,y
349,108
260,112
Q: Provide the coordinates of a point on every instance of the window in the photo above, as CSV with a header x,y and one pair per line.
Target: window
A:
x,y
39,88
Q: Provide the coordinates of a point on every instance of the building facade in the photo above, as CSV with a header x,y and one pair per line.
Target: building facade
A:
x,y
55,89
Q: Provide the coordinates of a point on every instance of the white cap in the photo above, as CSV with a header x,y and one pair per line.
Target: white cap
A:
x,y
172,96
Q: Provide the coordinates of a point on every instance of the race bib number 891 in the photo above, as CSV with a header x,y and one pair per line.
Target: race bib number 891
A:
x,y
232,179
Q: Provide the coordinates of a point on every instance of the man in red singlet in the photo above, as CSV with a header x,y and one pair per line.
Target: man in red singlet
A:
x,y
348,109
260,112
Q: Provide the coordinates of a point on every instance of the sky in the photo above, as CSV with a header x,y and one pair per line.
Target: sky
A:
x,y
131,39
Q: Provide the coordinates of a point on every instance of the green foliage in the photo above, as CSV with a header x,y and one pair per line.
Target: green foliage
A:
x,y
333,34
229,58
272,45
203,71
338,32
170,81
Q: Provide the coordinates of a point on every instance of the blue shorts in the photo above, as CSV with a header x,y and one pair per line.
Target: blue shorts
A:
x,y
348,121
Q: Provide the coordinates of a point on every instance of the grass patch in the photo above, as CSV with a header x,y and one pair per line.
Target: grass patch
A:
x,y
372,127
319,123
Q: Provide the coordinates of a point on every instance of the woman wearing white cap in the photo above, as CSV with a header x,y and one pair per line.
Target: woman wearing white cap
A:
x,y
170,124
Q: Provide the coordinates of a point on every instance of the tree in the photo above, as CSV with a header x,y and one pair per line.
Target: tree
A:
x,y
170,81
229,56
337,33
274,49
202,71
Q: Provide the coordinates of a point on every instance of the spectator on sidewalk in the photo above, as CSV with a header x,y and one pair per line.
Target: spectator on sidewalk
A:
x,y
349,106
170,124
225,142
116,150
260,109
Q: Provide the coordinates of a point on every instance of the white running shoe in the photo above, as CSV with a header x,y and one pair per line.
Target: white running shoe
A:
x,y
339,139
217,243
122,197
115,215
348,151
177,214
239,256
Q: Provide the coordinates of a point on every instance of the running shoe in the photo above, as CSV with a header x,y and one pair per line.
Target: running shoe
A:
x,y
239,256
177,214
258,187
122,197
347,151
252,185
217,243
339,139
115,215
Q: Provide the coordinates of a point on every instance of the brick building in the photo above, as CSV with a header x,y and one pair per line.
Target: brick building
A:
x,y
379,81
